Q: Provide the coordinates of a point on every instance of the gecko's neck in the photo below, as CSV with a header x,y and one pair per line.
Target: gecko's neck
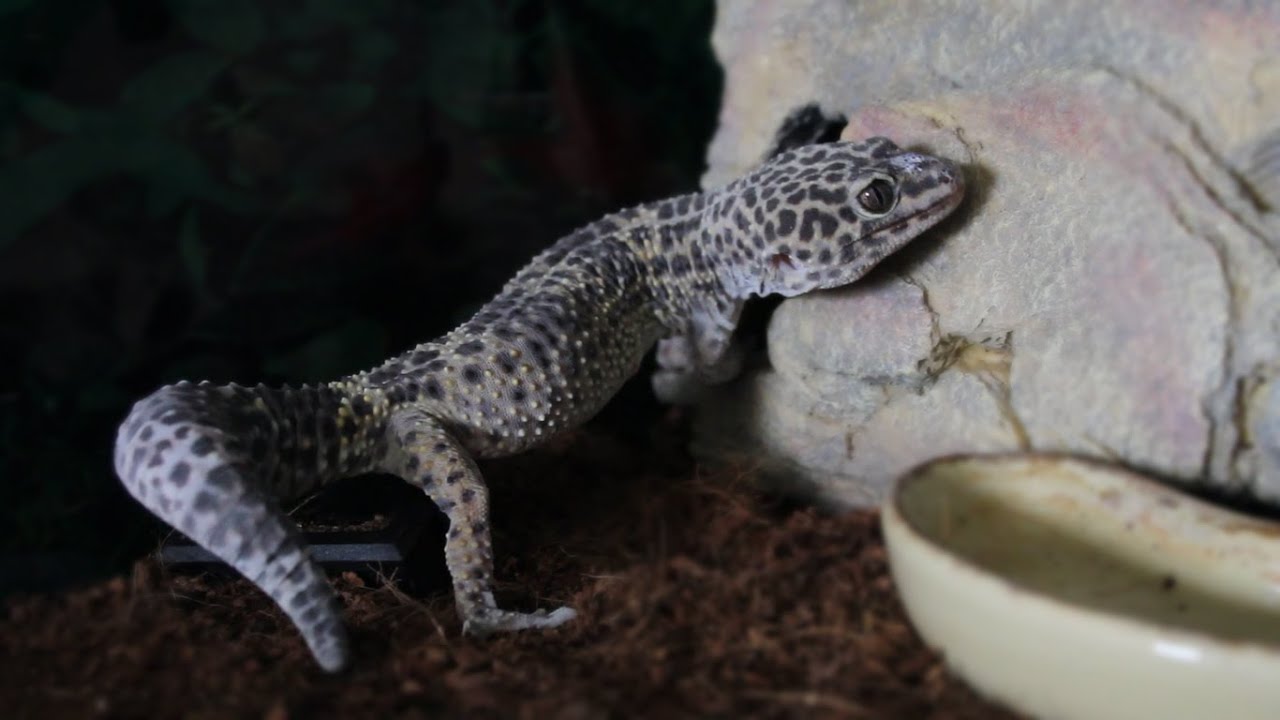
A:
x,y
671,242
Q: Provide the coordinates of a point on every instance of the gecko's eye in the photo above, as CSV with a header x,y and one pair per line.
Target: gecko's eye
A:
x,y
877,197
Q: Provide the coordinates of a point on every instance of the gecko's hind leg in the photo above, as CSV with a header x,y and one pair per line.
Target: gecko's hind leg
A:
x,y
430,458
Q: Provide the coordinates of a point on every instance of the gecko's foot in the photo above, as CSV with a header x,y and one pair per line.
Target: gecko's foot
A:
x,y
678,388
495,621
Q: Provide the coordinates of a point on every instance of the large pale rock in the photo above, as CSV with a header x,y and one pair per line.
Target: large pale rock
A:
x,y
1110,287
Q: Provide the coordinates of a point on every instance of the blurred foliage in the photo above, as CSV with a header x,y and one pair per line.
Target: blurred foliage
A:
x,y
288,191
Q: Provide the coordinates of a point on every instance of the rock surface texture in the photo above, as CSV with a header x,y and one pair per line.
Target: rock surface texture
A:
x,y
1111,286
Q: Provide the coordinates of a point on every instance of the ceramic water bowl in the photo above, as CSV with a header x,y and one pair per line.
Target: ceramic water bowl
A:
x,y
1070,589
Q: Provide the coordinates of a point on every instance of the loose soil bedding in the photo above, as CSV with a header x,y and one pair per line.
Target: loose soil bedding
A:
x,y
698,597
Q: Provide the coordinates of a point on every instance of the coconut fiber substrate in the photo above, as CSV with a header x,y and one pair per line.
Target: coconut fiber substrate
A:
x,y
698,596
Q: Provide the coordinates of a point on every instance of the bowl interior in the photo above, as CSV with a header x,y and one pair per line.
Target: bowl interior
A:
x,y
1104,539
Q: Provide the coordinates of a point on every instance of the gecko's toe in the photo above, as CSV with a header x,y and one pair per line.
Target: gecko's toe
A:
x,y
497,621
559,616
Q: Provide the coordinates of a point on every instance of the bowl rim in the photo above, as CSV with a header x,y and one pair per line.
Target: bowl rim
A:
x,y
892,509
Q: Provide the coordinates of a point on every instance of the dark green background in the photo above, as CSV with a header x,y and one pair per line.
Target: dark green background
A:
x,y
244,190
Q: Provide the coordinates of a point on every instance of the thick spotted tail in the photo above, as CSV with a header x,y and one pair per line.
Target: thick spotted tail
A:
x,y
212,461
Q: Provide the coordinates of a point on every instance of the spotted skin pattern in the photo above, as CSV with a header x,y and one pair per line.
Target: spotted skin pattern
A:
x,y
541,357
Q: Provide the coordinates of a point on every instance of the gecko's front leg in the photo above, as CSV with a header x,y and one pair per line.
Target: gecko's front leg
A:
x,y
681,376
425,454
707,353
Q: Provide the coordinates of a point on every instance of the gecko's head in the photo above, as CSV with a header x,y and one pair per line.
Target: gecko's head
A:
x,y
821,216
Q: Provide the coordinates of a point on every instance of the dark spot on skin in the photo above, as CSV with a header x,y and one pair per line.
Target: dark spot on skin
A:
x,y
830,196
881,148
439,447
146,434
664,211
471,347
381,377
786,222
205,502
668,238
411,465
177,416
453,477
222,477
359,406
919,186
202,446
180,474
433,389
803,254
824,256
422,356
300,599
467,496
824,222
659,265
849,253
